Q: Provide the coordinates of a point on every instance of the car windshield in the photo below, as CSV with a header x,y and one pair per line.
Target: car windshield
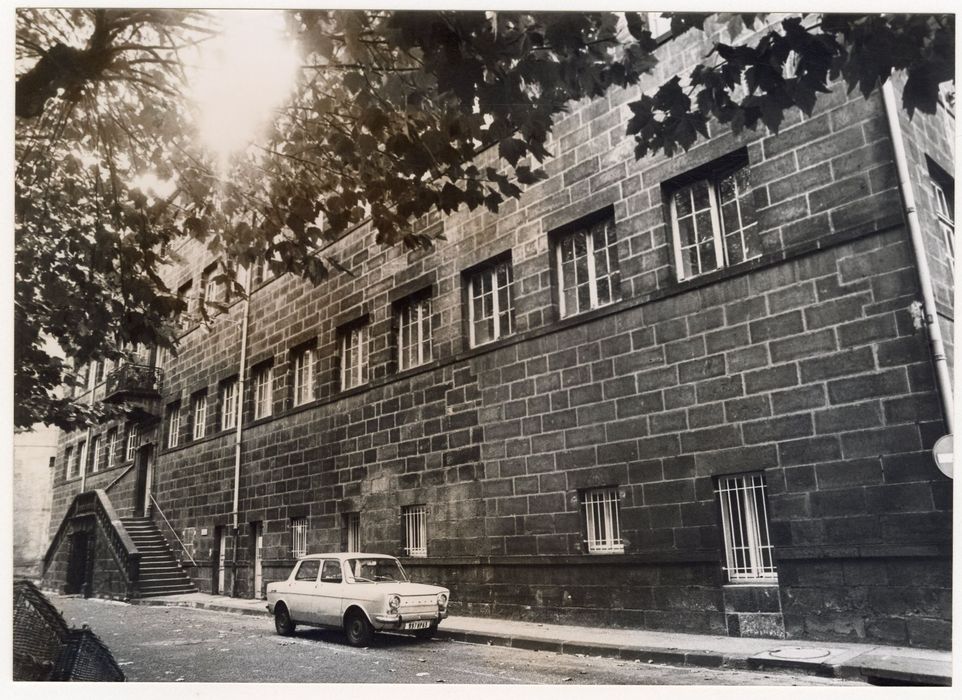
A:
x,y
374,570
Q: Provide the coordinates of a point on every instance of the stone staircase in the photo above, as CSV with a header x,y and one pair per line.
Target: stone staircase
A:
x,y
160,573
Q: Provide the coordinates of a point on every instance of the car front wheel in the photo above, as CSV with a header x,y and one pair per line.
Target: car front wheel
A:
x,y
358,630
282,621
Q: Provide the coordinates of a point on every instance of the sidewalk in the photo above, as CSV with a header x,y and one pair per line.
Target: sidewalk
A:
x,y
872,662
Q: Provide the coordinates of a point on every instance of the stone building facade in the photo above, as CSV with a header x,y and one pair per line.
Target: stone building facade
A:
x,y
682,393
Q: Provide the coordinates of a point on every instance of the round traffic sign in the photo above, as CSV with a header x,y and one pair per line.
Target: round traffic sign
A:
x,y
944,454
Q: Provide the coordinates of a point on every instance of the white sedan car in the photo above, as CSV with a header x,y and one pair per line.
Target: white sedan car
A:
x,y
359,593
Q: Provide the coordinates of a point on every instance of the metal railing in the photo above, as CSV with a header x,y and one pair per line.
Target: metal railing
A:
x,y
172,530
133,379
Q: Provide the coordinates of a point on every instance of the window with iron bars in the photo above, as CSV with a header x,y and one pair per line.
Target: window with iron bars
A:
x,y
228,404
600,508
713,222
587,267
490,306
352,523
748,548
353,349
414,519
414,332
263,391
298,537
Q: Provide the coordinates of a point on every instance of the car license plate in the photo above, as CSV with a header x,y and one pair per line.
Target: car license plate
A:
x,y
418,625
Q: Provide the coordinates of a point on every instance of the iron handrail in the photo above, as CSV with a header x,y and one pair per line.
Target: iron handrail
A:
x,y
172,530
122,474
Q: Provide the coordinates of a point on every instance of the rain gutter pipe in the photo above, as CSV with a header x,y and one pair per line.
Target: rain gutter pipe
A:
x,y
241,373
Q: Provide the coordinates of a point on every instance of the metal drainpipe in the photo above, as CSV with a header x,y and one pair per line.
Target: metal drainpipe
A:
x,y
936,345
83,467
241,383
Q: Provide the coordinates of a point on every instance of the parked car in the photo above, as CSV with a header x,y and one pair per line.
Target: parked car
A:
x,y
359,593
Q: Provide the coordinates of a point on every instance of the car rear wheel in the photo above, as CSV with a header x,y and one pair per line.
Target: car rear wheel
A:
x,y
427,633
358,630
283,622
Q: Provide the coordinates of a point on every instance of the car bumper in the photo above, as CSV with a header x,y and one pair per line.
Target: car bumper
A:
x,y
397,620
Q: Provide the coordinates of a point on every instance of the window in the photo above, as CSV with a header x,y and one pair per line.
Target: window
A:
x,y
198,409
748,548
602,521
713,223
95,450
308,570
304,361
299,537
353,349
210,287
133,441
263,379
162,358
81,457
68,463
413,317
415,542
228,404
173,425
587,267
352,523
490,306
113,436
184,294
260,272
99,372
943,192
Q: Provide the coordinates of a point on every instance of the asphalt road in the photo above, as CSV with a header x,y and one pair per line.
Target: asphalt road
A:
x,y
190,645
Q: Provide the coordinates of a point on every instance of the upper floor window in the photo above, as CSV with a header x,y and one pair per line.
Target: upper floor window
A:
x,y
173,425
413,317
228,404
748,547
99,368
263,380
352,341
198,409
133,441
303,371
68,463
602,521
943,192
414,519
184,292
113,437
81,457
490,305
210,286
586,261
96,448
713,222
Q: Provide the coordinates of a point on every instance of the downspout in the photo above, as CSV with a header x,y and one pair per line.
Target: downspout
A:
x,y
930,318
241,383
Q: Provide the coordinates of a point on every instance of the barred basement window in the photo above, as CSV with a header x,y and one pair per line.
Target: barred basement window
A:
x,y
602,521
173,425
748,548
415,542
353,348
198,405
713,223
352,522
228,404
298,537
263,391
113,436
133,441
304,361
414,332
587,268
490,306
95,458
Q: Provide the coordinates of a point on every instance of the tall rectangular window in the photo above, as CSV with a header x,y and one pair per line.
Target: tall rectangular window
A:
x,y
713,223
82,457
415,543
96,448
943,192
353,349
263,380
228,404
99,371
600,508
185,294
298,537
68,463
352,523
304,361
210,287
490,304
113,437
413,317
133,441
173,425
586,263
748,548
198,409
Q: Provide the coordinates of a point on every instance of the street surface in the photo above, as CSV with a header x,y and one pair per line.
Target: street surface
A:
x,y
191,645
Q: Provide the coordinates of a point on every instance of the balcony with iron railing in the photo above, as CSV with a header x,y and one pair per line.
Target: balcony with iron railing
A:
x,y
137,386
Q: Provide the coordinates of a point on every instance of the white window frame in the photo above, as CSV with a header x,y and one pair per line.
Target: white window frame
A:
x,y
414,332
945,216
601,509
97,449
476,295
263,391
81,457
211,288
304,362
353,349
749,554
133,441
298,537
711,182
590,267
228,404
112,436
353,524
414,520
173,426
198,406
68,457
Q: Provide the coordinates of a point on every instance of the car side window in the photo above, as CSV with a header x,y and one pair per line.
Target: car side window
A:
x,y
308,570
331,573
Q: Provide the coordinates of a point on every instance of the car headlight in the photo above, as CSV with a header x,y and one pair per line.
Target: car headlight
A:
x,y
442,601
393,603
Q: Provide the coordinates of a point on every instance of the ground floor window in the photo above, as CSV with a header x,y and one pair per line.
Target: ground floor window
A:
x,y
602,521
415,542
352,523
748,547
298,537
